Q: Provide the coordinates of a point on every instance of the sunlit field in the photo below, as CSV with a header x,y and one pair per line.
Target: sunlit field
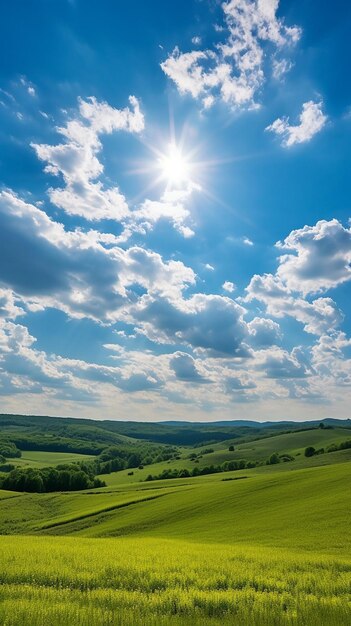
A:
x,y
61,581
269,550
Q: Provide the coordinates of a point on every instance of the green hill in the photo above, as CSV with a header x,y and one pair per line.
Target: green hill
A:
x,y
267,546
260,450
271,549
291,508
44,459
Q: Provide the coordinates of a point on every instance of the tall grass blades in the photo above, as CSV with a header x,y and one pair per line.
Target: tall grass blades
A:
x,y
151,582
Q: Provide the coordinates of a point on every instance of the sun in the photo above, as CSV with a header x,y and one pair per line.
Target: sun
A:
x,y
174,166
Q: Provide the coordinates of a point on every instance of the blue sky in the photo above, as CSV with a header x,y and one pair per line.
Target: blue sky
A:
x,y
175,198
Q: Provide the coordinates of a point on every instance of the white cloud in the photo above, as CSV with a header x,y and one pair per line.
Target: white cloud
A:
x,y
206,322
311,122
196,40
330,360
87,273
76,160
23,369
264,332
319,257
186,368
279,363
84,274
247,241
318,316
28,86
8,306
233,70
228,286
171,207
281,67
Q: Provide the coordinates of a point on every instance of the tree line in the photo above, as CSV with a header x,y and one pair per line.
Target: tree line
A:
x,y
81,474
69,477
333,447
228,466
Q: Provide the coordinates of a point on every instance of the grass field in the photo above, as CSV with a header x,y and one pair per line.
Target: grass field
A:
x,y
304,509
291,443
142,582
37,458
270,546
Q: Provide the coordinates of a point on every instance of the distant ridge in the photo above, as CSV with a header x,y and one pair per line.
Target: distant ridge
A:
x,y
251,423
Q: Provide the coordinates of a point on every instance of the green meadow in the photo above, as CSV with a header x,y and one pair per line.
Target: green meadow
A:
x,y
140,581
37,458
260,449
267,546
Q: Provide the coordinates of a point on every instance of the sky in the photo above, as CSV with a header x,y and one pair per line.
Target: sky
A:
x,y
175,240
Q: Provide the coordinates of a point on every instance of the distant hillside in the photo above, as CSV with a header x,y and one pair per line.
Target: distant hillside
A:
x,y
91,436
329,421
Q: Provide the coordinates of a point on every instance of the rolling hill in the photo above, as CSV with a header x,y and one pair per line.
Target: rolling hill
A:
x,y
268,546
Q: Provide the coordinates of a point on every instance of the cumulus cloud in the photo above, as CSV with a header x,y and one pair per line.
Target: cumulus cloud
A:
x,y
76,160
134,373
23,369
311,121
209,322
81,273
241,388
330,360
228,286
279,363
96,275
319,257
8,306
263,332
318,316
171,207
233,70
186,369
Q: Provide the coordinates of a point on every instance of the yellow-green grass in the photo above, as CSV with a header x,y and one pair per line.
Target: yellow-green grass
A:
x,y
4,494
54,512
38,458
272,549
144,582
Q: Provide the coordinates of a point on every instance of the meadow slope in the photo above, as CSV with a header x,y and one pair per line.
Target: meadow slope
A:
x,y
270,546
